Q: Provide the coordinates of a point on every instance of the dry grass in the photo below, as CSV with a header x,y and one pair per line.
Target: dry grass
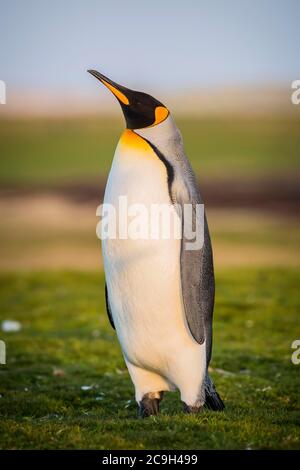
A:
x,y
49,232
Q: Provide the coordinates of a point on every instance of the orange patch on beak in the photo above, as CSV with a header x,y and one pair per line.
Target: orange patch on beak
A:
x,y
118,94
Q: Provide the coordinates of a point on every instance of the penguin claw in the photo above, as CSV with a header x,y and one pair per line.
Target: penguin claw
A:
x,y
192,409
149,405
148,408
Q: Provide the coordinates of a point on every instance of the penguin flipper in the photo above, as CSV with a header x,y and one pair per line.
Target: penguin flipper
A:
x,y
108,310
197,281
197,277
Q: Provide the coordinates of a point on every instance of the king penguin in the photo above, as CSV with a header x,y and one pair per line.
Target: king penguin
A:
x,y
159,295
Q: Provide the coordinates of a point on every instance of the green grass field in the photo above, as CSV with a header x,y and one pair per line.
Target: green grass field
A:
x,y
67,343
50,152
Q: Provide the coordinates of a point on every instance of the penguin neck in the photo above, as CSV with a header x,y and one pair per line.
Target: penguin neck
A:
x,y
162,134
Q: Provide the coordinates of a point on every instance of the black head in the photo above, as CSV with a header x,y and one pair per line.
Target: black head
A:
x,y
140,110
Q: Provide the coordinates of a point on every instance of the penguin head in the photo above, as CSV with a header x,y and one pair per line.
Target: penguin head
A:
x,y
140,109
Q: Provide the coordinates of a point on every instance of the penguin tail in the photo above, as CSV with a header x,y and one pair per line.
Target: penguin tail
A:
x,y
213,401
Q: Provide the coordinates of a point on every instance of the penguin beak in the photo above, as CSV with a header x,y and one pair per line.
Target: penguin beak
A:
x,y
118,90
140,110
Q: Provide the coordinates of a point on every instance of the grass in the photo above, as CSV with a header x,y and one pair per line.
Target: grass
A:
x,y
66,342
51,152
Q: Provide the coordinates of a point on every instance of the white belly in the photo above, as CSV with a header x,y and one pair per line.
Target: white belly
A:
x,y
143,277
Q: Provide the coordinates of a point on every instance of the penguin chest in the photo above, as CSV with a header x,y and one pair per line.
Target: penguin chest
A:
x,y
143,270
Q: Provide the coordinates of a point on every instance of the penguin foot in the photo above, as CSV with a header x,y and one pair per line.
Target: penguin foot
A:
x,y
149,405
213,401
192,409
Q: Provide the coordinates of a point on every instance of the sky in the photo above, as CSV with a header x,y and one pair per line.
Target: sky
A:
x,y
49,44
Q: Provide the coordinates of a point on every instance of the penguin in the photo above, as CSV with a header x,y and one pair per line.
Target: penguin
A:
x,y
159,295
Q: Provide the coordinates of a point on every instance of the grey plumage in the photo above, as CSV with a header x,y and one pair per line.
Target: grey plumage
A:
x,y
197,270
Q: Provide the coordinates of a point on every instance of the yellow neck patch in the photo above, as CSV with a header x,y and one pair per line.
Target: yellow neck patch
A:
x,y
130,139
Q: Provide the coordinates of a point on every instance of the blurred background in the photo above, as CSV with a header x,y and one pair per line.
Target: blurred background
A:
x,y
225,70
